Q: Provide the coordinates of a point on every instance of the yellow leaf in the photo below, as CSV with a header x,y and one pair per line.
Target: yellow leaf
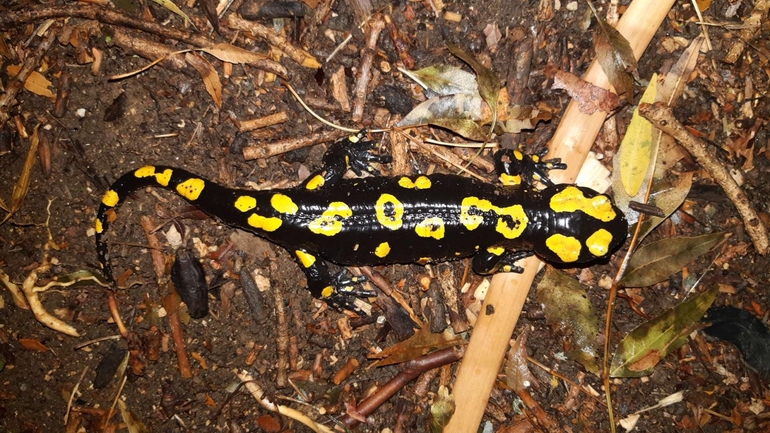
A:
x,y
635,150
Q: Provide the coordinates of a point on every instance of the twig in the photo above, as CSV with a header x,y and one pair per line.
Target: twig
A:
x,y
266,150
262,122
282,340
375,27
663,118
299,55
104,15
17,82
408,372
259,394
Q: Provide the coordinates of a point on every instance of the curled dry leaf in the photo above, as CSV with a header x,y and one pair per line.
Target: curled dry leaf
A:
x,y
589,98
615,56
232,54
208,74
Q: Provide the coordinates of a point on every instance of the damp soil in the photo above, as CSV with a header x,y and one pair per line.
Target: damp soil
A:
x,y
167,117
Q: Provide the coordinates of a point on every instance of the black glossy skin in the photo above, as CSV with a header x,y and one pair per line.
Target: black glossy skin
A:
x,y
361,232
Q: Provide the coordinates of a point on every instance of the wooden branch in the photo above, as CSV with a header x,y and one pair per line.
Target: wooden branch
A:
x,y
663,118
507,294
104,15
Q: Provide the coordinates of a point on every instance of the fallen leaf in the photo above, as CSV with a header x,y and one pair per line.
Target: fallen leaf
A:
x,y
645,346
659,260
590,98
636,149
209,76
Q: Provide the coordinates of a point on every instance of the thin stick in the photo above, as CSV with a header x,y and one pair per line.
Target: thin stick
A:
x,y
663,118
507,294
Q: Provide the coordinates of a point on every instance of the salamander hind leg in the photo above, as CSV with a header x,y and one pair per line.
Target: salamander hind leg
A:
x,y
339,291
515,168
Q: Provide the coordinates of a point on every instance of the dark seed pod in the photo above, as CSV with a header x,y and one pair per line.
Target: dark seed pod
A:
x,y
190,282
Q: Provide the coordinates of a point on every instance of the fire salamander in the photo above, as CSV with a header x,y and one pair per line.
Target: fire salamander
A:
x,y
381,220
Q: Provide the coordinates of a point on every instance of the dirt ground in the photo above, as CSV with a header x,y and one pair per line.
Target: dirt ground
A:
x,y
100,128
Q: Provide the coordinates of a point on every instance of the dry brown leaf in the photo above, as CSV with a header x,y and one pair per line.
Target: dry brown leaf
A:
x,y
22,185
589,98
208,74
31,344
230,53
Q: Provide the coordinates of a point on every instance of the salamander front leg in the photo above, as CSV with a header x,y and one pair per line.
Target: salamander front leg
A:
x,y
339,291
498,259
352,153
515,168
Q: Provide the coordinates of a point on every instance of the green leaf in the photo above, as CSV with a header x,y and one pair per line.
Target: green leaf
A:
x,y
636,149
645,346
567,308
659,260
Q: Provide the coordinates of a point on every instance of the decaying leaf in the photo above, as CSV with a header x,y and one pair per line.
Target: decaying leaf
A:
x,y
615,56
445,80
568,309
441,410
517,374
35,83
208,74
659,260
636,149
423,341
645,346
462,113
590,98
489,84
668,199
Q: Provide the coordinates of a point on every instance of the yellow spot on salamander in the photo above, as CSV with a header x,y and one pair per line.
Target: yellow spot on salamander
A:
x,y
496,250
382,250
164,178
330,221
110,198
424,260
566,247
191,188
571,199
422,182
432,227
98,226
245,203
316,182
146,171
510,180
518,155
389,211
283,204
306,259
469,211
268,224
327,291
512,221
599,243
